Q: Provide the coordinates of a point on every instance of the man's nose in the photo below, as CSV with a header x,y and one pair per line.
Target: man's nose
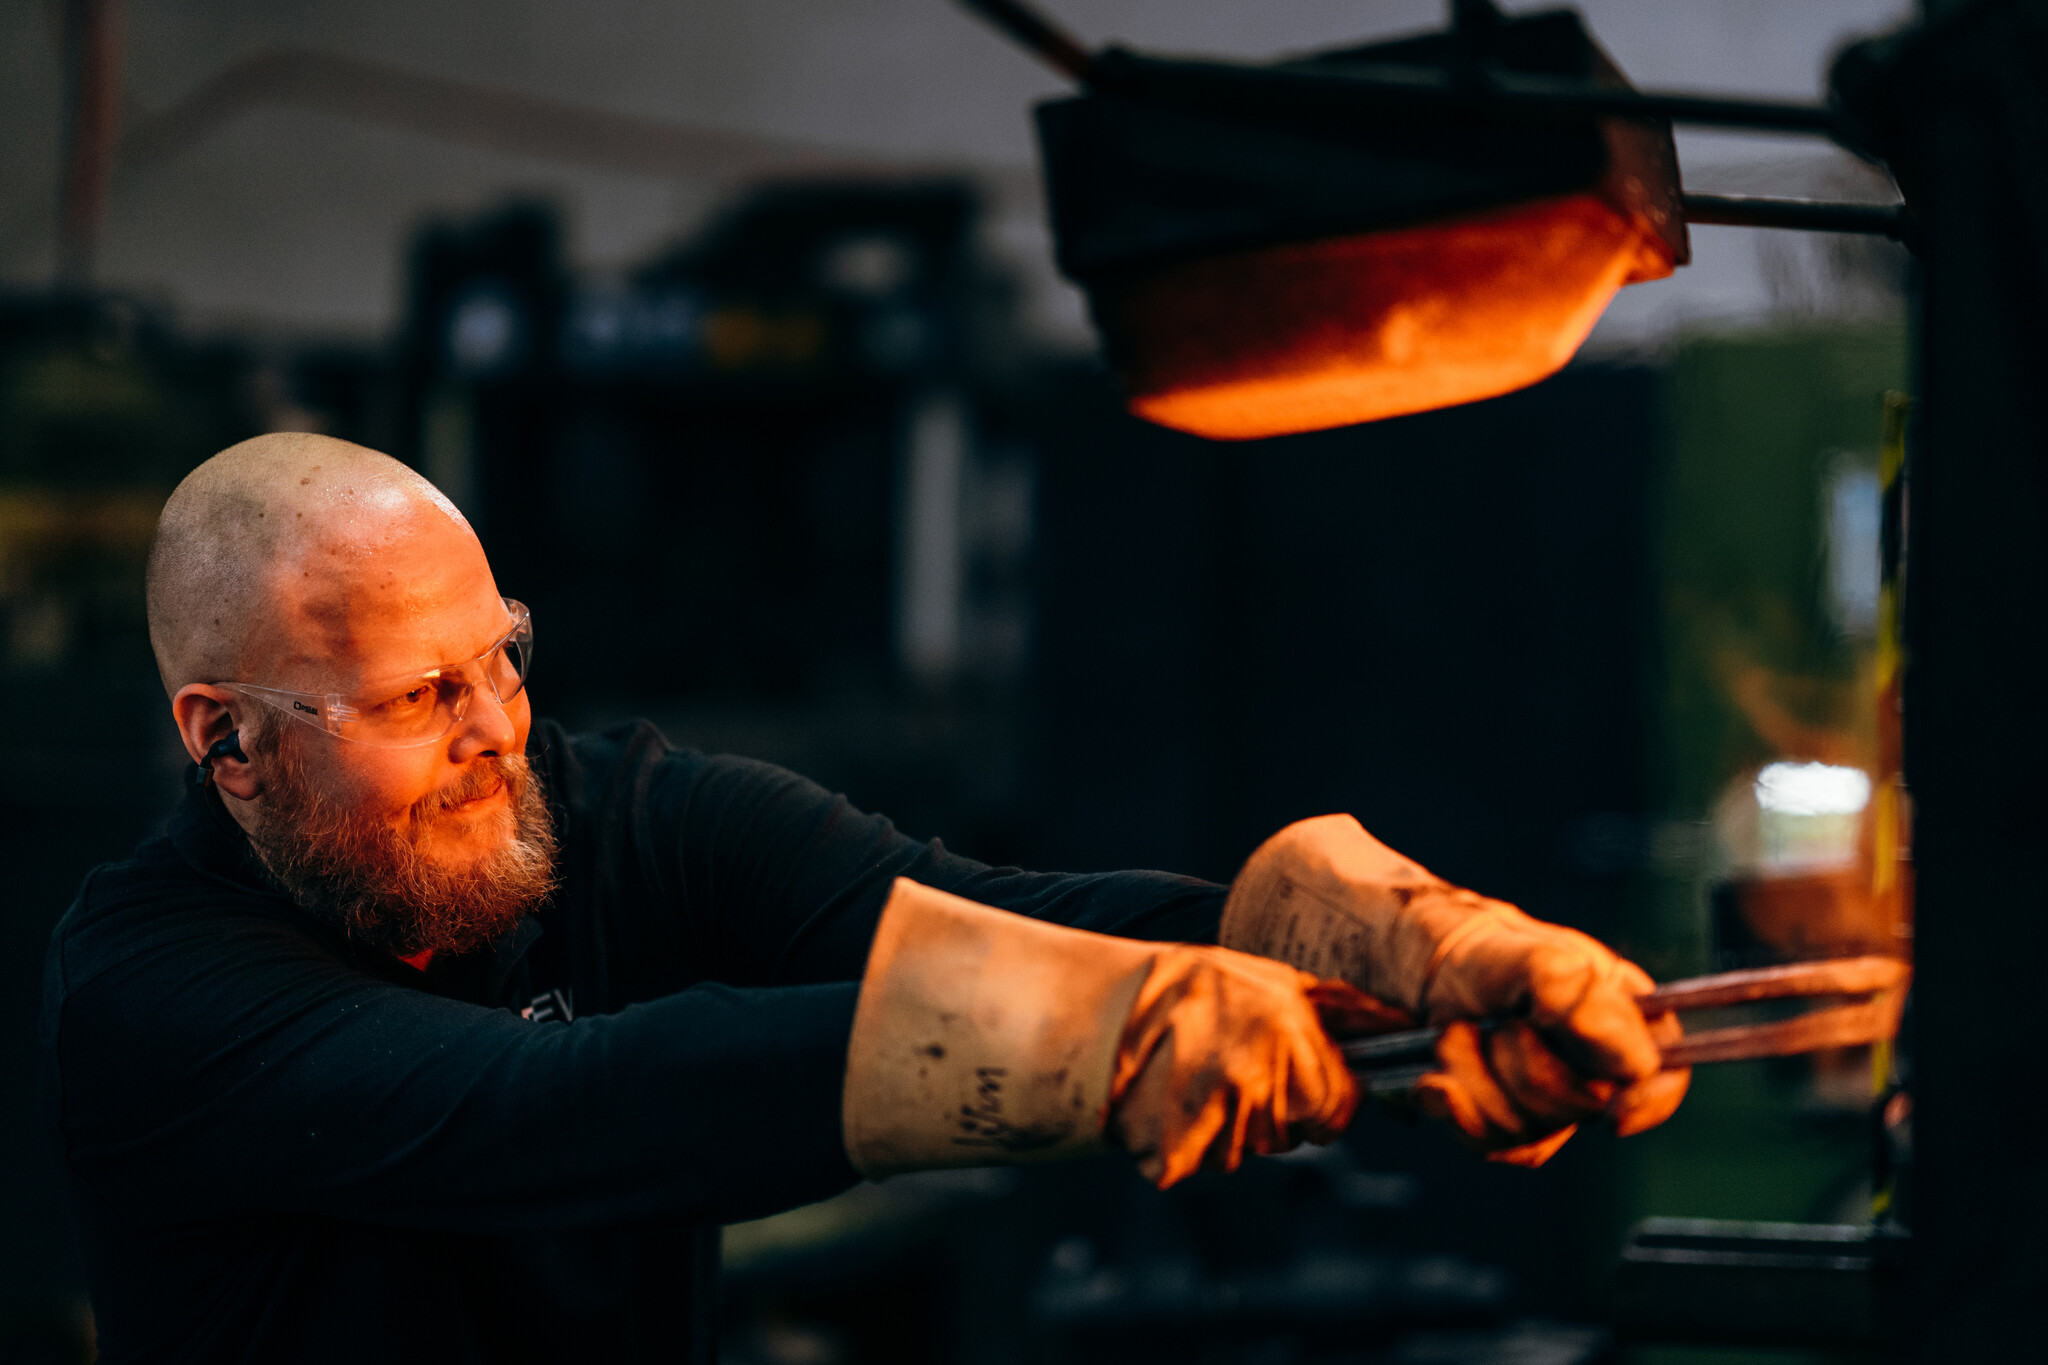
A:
x,y
485,728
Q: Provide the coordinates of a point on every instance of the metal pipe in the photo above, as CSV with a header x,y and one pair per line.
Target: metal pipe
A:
x,y
1743,210
1032,30
1484,90
1364,85
1396,1061
499,119
92,100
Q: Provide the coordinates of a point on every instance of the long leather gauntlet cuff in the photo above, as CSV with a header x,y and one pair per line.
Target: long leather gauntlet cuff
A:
x,y
1325,896
983,1038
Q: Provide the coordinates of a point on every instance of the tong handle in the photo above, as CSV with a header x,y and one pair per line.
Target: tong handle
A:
x,y
1392,1061
1794,980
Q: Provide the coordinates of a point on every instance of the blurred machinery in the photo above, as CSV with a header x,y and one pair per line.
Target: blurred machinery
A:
x,y
766,434
104,405
769,487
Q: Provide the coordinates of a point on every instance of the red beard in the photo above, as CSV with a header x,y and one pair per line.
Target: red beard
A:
x,y
376,883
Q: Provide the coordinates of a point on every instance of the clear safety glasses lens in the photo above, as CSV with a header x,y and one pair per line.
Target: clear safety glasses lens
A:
x,y
417,710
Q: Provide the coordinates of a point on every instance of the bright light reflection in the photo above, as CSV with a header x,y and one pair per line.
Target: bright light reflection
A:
x,y
1812,789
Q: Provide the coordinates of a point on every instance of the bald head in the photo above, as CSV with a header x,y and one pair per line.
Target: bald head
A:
x,y
280,560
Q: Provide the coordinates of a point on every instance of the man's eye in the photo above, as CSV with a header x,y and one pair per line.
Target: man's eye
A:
x,y
418,699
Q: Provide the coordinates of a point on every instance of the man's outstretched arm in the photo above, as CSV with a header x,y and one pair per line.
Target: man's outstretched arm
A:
x,y
228,1067
784,882
777,881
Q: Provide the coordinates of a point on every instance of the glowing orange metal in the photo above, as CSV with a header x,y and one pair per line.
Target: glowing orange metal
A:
x,y
1351,329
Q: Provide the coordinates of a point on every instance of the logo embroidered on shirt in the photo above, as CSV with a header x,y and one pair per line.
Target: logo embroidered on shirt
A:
x,y
558,1004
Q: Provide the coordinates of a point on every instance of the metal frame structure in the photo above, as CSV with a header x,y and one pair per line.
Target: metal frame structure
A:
x,y
1955,108
1478,89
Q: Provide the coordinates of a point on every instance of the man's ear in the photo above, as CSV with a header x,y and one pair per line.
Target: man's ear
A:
x,y
205,715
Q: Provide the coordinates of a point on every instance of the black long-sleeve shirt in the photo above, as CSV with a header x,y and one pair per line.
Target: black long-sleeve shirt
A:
x,y
284,1146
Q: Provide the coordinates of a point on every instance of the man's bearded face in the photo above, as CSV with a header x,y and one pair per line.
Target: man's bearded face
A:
x,y
381,884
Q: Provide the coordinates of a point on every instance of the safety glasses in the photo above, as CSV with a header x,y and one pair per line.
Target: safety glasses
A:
x,y
419,709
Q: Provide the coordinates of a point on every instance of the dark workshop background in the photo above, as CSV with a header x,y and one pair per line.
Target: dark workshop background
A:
x,y
733,328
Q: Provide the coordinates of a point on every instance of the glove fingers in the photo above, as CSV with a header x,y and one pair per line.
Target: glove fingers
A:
x,y
1326,1110
1607,1036
1442,1098
1223,1056
1648,1103
1461,1053
1533,1154
1538,1082
1569,984
1186,1149
1665,1030
1247,1127
1633,979
1138,1118
1508,1093
1445,1095
1654,1099
1315,1097
1346,1011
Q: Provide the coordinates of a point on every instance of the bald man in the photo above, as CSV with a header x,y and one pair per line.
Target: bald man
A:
x,y
428,1031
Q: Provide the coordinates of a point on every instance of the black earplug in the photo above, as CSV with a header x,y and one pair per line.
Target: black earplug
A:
x,y
230,747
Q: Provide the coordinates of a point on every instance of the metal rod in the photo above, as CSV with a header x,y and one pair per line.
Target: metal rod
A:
x,y
1366,84
1354,85
1880,980
1742,210
486,116
1415,1044
1787,981
92,104
1059,49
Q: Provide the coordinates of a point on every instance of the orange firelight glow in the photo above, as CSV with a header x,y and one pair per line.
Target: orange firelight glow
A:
x,y
1352,329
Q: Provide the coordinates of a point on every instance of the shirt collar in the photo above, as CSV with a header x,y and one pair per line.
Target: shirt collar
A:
x,y
208,839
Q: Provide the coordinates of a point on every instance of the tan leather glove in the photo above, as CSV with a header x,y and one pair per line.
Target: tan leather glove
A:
x,y
982,1038
988,1038
1223,1056
1325,896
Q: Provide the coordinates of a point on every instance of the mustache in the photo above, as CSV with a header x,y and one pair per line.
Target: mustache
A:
x,y
374,883
487,776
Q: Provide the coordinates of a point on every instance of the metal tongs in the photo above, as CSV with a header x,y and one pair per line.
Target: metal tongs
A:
x,y
1871,991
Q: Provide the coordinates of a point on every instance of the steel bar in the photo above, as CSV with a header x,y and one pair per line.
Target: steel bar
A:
x,y
1340,87
92,107
1842,1026
1742,210
1414,1044
1398,1080
1794,980
1395,1061
1334,86
491,117
1032,30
